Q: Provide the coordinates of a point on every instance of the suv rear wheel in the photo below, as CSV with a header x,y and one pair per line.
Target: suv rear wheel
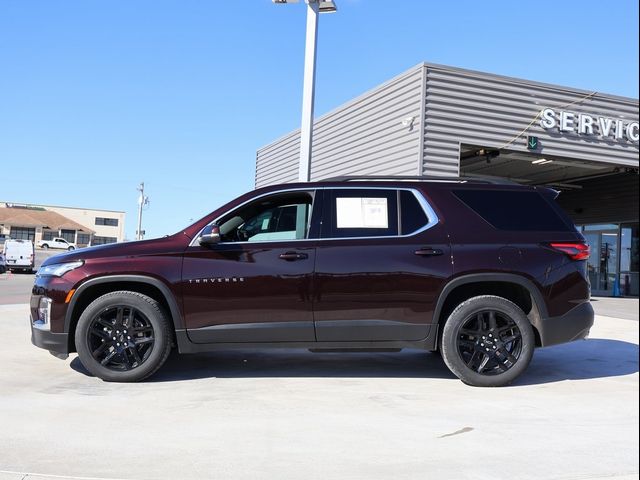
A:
x,y
123,337
487,341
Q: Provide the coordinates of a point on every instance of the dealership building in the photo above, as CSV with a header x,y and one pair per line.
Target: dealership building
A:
x,y
442,121
76,225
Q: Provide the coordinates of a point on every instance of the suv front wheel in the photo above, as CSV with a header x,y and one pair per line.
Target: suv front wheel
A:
x,y
123,337
487,341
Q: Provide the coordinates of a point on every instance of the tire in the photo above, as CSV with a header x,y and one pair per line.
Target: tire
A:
x,y
45,246
70,248
487,341
147,337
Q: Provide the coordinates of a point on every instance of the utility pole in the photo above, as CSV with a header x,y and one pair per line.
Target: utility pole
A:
x,y
142,201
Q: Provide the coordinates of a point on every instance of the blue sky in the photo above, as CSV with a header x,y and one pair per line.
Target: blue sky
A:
x,y
97,96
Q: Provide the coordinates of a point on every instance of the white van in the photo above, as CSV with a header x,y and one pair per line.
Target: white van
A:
x,y
19,255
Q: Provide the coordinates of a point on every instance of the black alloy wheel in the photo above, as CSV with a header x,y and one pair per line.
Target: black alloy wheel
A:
x,y
487,341
120,337
123,336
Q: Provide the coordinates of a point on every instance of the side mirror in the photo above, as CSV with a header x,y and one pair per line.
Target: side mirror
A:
x,y
210,235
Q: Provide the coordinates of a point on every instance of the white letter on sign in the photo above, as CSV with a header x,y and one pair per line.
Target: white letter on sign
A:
x,y
632,131
566,121
605,126
548,118
586,124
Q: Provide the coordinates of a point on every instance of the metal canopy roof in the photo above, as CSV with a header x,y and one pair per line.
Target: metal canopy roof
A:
x,y
520,167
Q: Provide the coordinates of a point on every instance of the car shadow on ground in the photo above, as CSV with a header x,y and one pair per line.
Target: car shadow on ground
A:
x,y
582,360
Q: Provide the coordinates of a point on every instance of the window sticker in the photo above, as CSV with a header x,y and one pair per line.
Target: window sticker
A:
x,y
362,212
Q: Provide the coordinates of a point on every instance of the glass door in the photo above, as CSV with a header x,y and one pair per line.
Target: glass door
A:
x,y
629,259
603,262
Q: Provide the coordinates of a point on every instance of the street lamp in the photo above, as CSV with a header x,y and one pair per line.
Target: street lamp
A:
x,y
314,7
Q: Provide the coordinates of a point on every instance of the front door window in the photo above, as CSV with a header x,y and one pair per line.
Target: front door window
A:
x,y
278,218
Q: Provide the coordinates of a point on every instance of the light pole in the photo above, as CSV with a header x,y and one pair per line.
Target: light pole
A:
x,y
314,8
142,201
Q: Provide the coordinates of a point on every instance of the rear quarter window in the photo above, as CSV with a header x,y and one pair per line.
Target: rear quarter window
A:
x,y
515,210
412,216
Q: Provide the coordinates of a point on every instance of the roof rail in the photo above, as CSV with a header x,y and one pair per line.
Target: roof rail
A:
x,y
419,178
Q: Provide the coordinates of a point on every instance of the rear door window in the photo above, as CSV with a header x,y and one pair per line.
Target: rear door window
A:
x,y
361,213
372,213
514,210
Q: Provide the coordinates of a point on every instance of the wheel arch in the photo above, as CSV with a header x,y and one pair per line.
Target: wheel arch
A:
x,y
516,288
96,287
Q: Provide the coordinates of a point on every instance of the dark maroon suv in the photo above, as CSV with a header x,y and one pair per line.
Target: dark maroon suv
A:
x,y
482,271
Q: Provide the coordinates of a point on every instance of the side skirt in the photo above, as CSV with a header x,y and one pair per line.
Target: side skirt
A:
x,y
185,345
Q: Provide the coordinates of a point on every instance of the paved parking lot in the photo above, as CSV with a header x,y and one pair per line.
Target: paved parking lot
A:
x,y
16,287
293,414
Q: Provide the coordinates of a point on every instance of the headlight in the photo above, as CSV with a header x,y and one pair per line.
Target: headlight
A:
x,y
58,269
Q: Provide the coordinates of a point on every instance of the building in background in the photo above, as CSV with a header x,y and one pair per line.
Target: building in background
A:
x,y
77,225
445,121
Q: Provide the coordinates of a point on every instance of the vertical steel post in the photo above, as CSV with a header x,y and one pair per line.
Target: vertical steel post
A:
x,y
308,91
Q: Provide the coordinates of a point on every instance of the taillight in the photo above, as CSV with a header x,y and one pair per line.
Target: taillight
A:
x,y
575,251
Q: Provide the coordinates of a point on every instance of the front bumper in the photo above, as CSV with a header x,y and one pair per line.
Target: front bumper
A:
x,y
573,325
56,343
50,332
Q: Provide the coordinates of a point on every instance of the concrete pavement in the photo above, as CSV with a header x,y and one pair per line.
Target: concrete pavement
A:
x,y
291,414
626,308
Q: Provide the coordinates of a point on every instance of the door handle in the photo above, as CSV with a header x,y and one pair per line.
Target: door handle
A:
x,y
428,252
291,256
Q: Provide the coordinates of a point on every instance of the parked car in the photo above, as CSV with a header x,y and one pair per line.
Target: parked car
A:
x,y
18,255
481,271
3,267
56,242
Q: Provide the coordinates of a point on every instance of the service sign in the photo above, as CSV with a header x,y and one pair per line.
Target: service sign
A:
x,y
589,125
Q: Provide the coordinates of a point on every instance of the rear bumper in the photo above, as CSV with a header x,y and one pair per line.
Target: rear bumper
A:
x,y
573,325
22,266
56,343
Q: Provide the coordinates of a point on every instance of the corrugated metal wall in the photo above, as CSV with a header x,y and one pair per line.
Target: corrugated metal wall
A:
x,y
487,110
365,137
609,199
278,161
